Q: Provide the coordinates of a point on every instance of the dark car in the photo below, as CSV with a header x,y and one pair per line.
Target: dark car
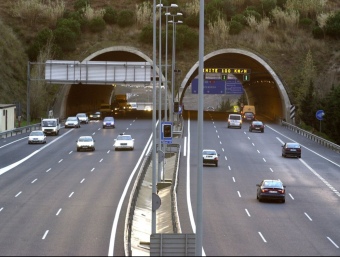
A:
x,y
256,125
291,149
270,189
109,122
95,116
248,116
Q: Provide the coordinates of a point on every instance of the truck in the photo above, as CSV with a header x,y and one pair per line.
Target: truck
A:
x,y
105,110
50,126
121,103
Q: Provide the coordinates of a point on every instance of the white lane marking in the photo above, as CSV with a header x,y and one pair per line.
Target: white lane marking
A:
x,y
82,181
45,234
264,159
225,157
239,194
191,215
291,196
271,169
60,161
70,195
308,216
13,165
229,168
92,169
58,212
14,142
101,160
336,164
258,151
34,180
220,142
234,179
253,144
48,170
321,178
247,213
185,146
121,200
332,242
70,152
264,240
18,194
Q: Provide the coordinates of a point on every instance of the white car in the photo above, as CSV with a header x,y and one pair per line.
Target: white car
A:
x,y
85,143
83,118
37,137
124,142
210,156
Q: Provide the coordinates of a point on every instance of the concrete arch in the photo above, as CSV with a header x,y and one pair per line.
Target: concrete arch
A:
x,y
260,71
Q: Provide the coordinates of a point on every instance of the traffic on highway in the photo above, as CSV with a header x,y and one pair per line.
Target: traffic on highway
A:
x,y
55,200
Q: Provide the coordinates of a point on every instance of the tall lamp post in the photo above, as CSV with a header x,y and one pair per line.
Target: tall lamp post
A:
x,y
166,58
173,61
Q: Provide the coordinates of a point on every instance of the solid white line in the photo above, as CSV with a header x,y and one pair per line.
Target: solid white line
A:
x,y
185,146
121,200
191,216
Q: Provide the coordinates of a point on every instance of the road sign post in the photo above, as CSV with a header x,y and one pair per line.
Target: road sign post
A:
x,y
319,115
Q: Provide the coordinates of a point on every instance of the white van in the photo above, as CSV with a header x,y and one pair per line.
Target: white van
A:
x,y
235,120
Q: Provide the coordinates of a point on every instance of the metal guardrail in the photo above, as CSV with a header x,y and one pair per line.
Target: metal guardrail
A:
x,y
20,130
311,136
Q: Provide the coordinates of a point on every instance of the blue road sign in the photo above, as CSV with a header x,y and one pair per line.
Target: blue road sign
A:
x,y
319,114
212,86
166,135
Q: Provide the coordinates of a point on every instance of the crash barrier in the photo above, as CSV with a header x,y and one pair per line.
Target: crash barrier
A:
x,y
132,203
311,136
20,130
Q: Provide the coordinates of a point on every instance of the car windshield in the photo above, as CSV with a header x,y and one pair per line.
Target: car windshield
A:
x,y
108,119
81,115
209,152
272,184
257,123
293,145
36,133
125,137
234,117
249,114
49,123
71,118
85,139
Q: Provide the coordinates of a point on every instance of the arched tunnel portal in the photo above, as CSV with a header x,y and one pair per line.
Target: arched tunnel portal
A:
x,y
264,90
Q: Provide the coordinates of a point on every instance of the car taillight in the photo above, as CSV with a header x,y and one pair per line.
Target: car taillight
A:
x,y
263,190
216,158
281,191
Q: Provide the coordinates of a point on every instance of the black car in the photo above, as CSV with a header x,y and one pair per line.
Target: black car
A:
x,y
256,125
248,116
95,116
291,149
270,189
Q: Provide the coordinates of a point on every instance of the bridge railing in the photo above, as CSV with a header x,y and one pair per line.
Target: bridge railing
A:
x,y
20,130
311,136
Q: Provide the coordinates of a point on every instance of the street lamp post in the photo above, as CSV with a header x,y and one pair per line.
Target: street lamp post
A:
x,y
166,58
173,61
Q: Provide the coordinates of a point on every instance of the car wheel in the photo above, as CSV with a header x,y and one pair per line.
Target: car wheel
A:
x,y
283,201
249,130
262,131
216,164
78,149
300,156
29,142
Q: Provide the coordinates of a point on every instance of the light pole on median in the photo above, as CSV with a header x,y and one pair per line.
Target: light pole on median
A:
x,y
173,66
166,57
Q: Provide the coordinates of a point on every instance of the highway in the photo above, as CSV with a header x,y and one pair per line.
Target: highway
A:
x,y
61,202
234,222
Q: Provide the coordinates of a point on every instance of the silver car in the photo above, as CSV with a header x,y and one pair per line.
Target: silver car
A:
x,y
37,137
72,122
83,118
